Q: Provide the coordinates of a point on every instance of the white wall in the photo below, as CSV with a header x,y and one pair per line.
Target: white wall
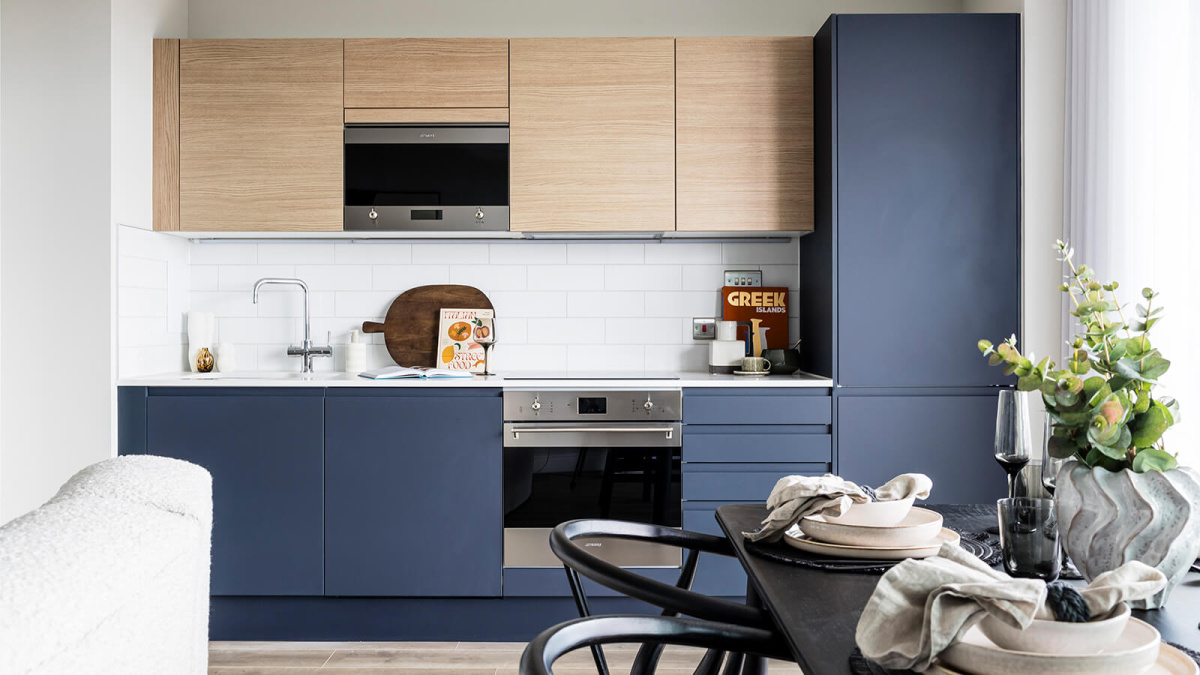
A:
x,y
134,24
527,18
55,246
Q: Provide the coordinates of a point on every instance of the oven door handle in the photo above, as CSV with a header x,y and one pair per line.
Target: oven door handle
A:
x,y
517,431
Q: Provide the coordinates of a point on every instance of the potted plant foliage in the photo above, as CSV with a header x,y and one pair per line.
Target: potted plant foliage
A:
x,y
1121,496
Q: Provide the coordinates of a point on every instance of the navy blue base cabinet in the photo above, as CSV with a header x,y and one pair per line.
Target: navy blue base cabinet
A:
x,y
413,503
947,437
264,450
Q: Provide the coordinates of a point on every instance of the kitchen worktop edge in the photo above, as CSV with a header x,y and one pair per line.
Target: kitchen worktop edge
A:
x,y
515,381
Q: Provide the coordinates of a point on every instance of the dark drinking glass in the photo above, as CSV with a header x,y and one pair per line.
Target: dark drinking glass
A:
x,y
1029,538
1050,465
1014,442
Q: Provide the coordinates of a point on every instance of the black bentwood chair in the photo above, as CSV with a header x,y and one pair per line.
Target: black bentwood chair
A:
x,y
674,600
550,644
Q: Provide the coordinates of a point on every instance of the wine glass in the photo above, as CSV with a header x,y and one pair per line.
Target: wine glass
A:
x,y
1050,464
1014,442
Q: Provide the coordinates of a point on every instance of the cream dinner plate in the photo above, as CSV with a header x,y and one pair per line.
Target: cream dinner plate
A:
x,y
1138,650
917,528
797,539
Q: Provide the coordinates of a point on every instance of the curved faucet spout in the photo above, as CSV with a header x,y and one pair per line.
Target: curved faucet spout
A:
x,y
306,350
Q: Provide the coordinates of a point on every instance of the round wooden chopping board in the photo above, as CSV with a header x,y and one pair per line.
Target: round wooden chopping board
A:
x,y
411,326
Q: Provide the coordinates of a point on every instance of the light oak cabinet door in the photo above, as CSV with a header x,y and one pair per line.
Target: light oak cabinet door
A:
x,y
260,135
427,73
592,134
744,133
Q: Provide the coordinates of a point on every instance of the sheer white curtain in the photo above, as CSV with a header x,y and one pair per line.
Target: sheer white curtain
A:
x,y
1132,165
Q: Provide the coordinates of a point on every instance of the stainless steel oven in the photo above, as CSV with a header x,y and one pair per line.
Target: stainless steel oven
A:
x,y
452,177
590,454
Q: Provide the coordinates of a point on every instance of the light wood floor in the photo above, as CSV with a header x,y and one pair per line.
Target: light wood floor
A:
x,y
412,658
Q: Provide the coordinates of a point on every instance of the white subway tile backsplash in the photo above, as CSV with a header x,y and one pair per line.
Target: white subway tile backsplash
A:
x,y
559,331
566,277
683,303
363,305
683,253
511,331
302,253
490,277
585,358
450,254
239,330
141,273
373,253
642,331
230,303
223,253
527,253
242,277
605,303
642,277
400,278
336,277
143,302
580,305
600,253
702,277
204,277
530,304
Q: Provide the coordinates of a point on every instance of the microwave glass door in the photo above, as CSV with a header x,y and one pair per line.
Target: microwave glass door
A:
x,y
437,178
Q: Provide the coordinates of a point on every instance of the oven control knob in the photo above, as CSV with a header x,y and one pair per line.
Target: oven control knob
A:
x,y
478,214
536,405
648,405
373,214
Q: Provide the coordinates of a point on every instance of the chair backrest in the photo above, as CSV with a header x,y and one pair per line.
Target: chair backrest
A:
x,y
674,599
549,645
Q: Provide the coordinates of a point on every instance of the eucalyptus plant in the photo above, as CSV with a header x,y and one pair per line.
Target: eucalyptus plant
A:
x,y
1102,404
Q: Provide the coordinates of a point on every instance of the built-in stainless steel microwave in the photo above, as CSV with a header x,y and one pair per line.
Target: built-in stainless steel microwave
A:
x,y
426,178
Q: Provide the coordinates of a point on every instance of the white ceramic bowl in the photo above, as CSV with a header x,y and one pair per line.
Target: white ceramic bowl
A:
x,y
920,526
874,514
1058,637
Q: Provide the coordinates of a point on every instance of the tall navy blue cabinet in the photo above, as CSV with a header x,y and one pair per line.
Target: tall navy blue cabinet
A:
x,y
413,503
263,449
915,255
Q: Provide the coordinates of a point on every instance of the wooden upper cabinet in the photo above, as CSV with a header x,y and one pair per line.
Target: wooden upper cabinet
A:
x,y
592,133
427,73
260,135
744,133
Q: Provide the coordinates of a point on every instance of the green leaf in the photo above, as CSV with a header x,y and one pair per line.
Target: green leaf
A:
x,y
1172,407
1061,447
1030,382
1153,367
995,359
1147,293
1149,426
1153,459
1166,411
1096,389
985,347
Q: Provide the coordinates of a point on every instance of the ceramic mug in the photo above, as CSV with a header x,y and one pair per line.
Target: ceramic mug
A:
x,y
755,364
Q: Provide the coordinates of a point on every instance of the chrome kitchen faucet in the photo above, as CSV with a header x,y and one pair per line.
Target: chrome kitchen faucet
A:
x,y
306,350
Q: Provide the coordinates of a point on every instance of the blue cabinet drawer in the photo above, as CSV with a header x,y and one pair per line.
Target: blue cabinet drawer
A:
x,y
759,443
743,406
551,582
716,574
740,482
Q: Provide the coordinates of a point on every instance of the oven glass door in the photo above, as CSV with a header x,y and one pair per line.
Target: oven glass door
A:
x,y
545,486
426,178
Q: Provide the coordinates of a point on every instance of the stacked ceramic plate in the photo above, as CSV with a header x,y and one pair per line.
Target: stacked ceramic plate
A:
x,y
1114,644
875,531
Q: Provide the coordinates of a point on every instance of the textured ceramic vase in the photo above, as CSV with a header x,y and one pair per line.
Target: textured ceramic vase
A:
x,y
1107,519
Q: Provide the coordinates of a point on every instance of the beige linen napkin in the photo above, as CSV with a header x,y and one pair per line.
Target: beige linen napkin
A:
x,y
921,607
795,497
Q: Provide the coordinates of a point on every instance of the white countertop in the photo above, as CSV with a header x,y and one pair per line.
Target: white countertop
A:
x,y
516,380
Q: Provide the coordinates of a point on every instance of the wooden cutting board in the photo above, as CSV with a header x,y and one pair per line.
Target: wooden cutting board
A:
x,y
410,328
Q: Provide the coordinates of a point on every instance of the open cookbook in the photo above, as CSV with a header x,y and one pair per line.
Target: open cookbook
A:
x,y
400,372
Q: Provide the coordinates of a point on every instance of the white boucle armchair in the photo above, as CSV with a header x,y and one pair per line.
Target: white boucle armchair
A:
x,y
111,575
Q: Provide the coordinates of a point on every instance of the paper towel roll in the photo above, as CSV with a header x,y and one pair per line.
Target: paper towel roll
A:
x,y
356,354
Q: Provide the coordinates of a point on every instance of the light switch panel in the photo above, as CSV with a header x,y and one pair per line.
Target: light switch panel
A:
x,y
704,329
743,278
